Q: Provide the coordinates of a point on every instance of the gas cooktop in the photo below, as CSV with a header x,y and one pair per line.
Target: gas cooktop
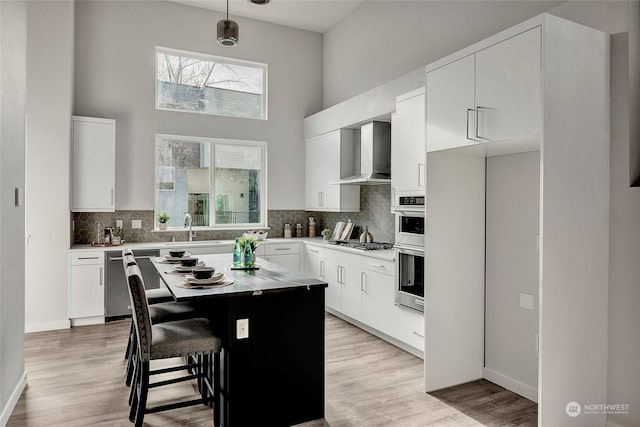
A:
x,y
357,244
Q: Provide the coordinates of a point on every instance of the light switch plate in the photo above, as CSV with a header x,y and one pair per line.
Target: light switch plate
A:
x,y
242,329
119,223
526,301
136,223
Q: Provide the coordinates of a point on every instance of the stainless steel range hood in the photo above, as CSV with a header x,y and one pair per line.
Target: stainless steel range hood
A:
x,y
375,156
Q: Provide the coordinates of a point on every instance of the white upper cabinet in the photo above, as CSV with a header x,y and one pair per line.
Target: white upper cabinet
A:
x,y
94,164
328,158
508,78
408,144
491,95
451,105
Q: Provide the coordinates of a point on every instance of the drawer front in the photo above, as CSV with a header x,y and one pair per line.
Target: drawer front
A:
x,y
86,258
409,327
343,257
281,248
313,250
379,265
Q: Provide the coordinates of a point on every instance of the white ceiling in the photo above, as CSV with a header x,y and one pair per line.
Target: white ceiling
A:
x,y
312,15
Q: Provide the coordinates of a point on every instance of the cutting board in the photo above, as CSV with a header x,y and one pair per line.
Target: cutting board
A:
x,y
337,231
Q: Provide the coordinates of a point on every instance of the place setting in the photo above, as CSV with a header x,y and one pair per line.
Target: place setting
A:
x,y
203,277
175,257
186,266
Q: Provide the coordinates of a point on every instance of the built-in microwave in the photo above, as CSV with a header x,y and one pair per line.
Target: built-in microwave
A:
x,y
410,278
409,228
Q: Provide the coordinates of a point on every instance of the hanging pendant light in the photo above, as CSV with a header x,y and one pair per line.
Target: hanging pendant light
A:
x,y
228,31
259,1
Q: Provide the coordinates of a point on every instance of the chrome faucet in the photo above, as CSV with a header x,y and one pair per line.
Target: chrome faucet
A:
x,y
188,223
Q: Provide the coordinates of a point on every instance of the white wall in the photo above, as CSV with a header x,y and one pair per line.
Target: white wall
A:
x,y
114,78
49,105
383,40
624,238
13,24
512,227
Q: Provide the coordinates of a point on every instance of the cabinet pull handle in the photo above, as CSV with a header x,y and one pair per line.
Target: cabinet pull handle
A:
x,y
314,250
478,120
376,265
363,283
101,271
420,174
322,268
338,274
282,249
89,257
468,110
112,197
418,334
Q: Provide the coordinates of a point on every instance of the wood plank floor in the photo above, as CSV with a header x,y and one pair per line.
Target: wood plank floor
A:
x,y
76,378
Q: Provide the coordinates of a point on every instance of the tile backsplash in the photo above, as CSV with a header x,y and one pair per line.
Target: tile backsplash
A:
x,y
375,208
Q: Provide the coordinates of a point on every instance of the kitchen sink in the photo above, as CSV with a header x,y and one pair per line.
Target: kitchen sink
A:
x,y
196,243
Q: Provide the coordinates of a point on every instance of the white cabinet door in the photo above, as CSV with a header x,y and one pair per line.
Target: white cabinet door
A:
x,y
313,262
312,156
94,164
288,261
451,105
378,301
351,280
409,327
328,158
333,293
86,291
508,77
408,143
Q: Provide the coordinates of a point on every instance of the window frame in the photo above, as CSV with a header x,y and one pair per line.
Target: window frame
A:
x,y
221,59
212,194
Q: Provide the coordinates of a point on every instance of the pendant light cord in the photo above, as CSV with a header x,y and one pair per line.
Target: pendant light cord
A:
x,y
227,10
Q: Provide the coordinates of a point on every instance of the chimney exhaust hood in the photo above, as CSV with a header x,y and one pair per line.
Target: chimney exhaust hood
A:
x,y
375,156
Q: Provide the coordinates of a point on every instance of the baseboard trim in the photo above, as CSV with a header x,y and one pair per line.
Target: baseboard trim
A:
x,y
509,383
13,400
46,326
84,321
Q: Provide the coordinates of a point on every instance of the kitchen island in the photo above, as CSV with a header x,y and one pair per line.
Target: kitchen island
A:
x,y
274,376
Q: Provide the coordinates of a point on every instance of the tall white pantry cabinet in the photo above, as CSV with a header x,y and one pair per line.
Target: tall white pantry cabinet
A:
x,y
94,164
541,86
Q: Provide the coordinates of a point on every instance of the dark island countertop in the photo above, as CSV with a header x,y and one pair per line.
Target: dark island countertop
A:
x,y
268,278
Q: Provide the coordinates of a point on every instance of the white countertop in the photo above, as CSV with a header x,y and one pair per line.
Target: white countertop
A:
x,y
387,254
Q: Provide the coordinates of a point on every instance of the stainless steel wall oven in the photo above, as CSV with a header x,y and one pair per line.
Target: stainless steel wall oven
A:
x,y
410,277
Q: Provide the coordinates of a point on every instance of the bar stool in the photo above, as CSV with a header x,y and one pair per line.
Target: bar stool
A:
x,y
159,312
191,339
154,296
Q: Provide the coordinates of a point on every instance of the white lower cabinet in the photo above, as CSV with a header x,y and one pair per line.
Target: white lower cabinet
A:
x,y
285,254
362,288
409,327
377,286
313,264
86,284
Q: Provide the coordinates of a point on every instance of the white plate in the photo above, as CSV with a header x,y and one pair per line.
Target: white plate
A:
x,y
210,281
183,269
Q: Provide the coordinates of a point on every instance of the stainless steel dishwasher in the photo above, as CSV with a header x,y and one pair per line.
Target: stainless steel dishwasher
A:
x,y
116,295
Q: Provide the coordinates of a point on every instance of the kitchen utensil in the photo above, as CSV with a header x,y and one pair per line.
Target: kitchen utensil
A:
x,y
366,237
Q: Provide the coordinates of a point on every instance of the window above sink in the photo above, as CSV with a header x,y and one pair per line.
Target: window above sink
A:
x,y
221,183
